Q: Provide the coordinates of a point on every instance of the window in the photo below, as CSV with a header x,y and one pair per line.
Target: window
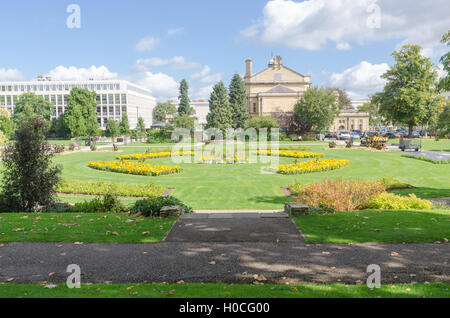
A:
x,y
66,100
2,100
8,100
117,110
124,98
105,110
111,86
104,99
117,86
117,99
254,107
97,99
110,99
53,99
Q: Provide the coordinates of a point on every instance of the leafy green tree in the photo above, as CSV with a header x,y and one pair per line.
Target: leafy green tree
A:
x,y
220,112
6,124
317,109
444,83
162,110
124,126
183,121
410,96
374,113
262,122
344,102
87,100
29,179
59,127
140,128
74,120
443,124
238,102
112,129
30,103
184,107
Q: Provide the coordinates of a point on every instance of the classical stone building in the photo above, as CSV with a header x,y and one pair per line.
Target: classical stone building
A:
x,y
278,88
275,89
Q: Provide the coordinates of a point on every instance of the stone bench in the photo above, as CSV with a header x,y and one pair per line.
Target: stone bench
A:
x,y
294,208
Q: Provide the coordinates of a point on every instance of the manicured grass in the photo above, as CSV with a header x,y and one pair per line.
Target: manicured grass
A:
x,y
82,227
243,186
424,193
198,290
376,226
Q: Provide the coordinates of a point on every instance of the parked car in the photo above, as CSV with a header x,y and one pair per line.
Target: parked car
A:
x,y
355,135
359,132
389,135
330,135
343,135
415,134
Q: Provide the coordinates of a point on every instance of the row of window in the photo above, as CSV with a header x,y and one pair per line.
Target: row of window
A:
x,y
56,87
102,99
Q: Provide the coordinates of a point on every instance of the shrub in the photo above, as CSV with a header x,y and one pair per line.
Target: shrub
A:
x,y
158,137
29,179
332,144
115,147
72,146
132,190
93,146
339,194
109,203
348,144
390,201
58,148
390,183
152,206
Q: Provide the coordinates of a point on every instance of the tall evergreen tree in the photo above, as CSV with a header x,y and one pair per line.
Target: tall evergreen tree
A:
x,y
124,126
220,112
140,127
238,102
184,107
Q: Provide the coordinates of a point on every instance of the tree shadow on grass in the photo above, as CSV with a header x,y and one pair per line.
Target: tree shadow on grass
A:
x,y
424,193
272,199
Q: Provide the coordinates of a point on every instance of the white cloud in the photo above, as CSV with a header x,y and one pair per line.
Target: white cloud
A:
x,y
147,44
10,75
343,46
360,79
175,31
203,92
205,76
161,85
312,24
176,63
72,73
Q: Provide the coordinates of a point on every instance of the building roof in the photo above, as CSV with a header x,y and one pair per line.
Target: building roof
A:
x,y
281,89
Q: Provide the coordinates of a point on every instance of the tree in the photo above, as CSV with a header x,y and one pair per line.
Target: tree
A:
x,y
74,120
86,100
140,128
374,113
28,104
317,109
184,107
443,124
112,129
184,121
344,102
410,96
6,124
238,102
220,113
29,178
124,126
444,83
59,127
162,110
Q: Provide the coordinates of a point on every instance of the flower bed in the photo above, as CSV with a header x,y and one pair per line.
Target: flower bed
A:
x,y
98,188
311,166
135,168
152,155
289,154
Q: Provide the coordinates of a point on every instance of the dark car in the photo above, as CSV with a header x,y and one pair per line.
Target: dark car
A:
x,y
389,135
329,135
359,132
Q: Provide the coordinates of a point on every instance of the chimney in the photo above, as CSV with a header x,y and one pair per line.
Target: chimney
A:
x,y
278,62
248,68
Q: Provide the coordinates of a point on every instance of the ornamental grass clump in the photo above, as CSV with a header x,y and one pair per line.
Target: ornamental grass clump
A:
x,y
339,194
390,201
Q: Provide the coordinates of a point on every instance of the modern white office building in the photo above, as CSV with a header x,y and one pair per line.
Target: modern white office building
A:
x,y
114,98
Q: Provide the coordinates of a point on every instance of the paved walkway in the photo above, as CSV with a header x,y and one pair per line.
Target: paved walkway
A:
x,y
226,248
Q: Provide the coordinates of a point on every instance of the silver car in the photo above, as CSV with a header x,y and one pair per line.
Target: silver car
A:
x,y
343,135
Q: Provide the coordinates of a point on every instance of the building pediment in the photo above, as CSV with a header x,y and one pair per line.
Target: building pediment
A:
x,y
280,89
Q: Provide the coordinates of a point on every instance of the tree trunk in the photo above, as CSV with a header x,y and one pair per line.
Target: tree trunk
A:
x,y
410,130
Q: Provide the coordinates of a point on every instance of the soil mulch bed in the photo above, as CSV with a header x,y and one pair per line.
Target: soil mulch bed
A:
x,y
166,193
287,192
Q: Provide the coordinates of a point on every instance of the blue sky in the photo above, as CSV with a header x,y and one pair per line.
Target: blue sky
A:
x,y
157,43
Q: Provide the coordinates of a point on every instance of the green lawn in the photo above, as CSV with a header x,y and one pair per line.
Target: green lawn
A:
x,y
376,226
245,187
84,227
198,290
